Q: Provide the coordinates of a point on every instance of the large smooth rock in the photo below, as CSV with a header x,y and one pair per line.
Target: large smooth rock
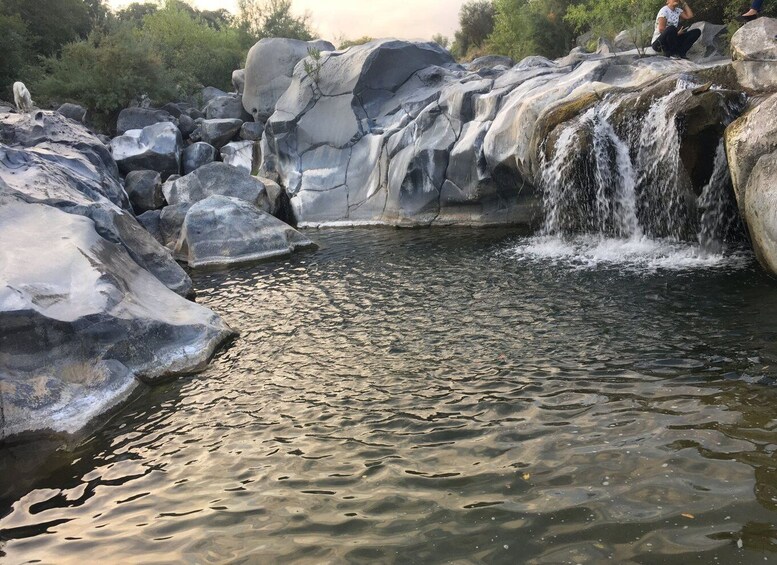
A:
x,y
83,322
269,67
156,147
219,132
75,147
748,138
760,206
54,172
217,179
145,190
221,231
754,55
139,118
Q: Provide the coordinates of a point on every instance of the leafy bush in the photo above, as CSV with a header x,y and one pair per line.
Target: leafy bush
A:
x,y
531,27
105,73
194,53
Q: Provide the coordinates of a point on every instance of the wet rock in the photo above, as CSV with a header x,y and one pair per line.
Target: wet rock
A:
x,y
760,209
156,147
747,139
139,118
145,190
197,155
221,231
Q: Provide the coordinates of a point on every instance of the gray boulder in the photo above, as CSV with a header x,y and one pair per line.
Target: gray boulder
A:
x,y
219,132
73,112
269,67
209,93
760,207
186,125
197,155
251,131
221,231
156,147
747,139
139,118
229,106
217,179
754,55
145,190
637,37
83,322
239,154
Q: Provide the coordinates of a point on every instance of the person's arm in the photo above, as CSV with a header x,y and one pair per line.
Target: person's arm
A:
x,y
687,12
661,24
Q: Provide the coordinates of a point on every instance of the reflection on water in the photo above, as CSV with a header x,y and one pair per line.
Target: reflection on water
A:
x,y
436,396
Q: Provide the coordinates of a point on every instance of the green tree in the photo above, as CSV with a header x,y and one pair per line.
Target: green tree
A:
x,y
272,18
476,22
194,53
607,18
136,12
531,27
16,53
104,73
50,23
441,40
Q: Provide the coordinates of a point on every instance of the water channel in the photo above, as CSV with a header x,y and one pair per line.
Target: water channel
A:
x,y
440,396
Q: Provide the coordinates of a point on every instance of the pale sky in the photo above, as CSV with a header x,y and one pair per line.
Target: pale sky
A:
x,y
333,19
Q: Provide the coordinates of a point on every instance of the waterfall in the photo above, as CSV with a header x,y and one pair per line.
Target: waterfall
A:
x,y
590,190
719,215
632,185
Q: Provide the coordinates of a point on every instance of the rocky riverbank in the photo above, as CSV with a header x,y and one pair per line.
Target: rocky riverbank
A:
x,y
93,301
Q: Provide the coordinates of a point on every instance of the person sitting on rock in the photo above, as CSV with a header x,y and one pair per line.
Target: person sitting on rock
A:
x,y
753,12
668,37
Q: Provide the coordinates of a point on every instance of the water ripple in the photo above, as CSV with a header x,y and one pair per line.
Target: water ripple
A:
x,y
430,396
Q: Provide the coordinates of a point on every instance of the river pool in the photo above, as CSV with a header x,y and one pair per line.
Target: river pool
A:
x,y
436,396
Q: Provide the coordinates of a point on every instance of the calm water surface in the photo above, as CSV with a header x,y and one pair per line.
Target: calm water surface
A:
x,y
433,396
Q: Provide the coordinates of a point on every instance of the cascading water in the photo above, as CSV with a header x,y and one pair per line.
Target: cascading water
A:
x,y
625,199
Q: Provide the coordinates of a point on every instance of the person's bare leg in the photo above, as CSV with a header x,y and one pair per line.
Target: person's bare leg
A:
x,y
751,12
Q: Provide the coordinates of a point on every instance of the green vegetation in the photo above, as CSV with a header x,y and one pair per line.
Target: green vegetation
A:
x,y
79,51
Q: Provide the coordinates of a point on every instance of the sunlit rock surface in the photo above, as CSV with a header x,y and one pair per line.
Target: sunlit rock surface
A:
x,y
397,133
156,147
221,231
82,322
754,55
86,307
268,71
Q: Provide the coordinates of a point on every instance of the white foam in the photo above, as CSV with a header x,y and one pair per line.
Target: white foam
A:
x,y
634,254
